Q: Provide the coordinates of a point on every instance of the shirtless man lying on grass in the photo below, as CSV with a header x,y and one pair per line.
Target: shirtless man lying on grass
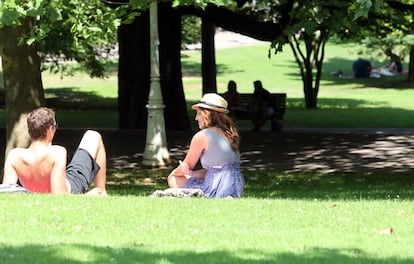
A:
x,y
41,167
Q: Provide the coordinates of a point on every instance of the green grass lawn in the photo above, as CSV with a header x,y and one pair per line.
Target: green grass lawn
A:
x,y
303,218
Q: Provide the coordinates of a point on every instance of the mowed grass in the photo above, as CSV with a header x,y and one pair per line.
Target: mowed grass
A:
x,y
282,218
139,229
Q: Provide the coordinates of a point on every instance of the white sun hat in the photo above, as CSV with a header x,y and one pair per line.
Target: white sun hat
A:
x,y
212,101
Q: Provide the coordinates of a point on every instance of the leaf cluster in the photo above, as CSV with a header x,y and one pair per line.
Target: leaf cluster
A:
x,y
65,29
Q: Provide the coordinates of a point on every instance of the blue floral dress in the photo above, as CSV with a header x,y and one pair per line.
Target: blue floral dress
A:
x,y
223,177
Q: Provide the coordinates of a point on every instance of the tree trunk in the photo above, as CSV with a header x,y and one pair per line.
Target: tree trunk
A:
x,y
306,71
134,71
208,57
22,82
310,92
176,115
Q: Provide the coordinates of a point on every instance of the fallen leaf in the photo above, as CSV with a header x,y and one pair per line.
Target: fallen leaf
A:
x,y
386,231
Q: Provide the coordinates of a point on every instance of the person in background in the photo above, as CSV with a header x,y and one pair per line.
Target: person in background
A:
x,y
233,100
263,107
41,167
395,65
216,146
361,68
232,95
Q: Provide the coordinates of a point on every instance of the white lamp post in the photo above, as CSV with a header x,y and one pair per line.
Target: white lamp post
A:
x,y
156,152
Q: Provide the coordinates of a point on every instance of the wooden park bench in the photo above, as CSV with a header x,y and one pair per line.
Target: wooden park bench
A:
x,y
244,113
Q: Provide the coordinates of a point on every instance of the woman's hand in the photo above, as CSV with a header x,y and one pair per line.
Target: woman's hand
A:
x,y
184,168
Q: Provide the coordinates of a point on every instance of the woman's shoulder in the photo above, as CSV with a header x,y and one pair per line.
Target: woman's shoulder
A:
x,y
201,134
214,132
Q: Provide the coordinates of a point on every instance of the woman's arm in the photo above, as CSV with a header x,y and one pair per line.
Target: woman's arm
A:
x,y
198,144
182,172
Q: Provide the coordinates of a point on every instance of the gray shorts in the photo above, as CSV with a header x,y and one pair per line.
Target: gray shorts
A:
x,y
81,171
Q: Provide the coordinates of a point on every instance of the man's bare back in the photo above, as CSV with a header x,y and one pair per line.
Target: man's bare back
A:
x,y
41,168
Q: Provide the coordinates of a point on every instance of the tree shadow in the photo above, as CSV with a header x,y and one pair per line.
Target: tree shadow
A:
x,y
146,253
337,103
360,113
295,165
70,98
307,164
193,69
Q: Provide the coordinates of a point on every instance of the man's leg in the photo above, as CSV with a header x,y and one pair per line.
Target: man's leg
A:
x,y
93,143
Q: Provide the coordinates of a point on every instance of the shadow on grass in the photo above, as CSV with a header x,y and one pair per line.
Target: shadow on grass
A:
x,y
342,113
332,186
336,103
142,253
71,98
193,69
276,165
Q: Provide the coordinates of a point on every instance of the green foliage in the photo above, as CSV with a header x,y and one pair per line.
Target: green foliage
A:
x,y
66,30
201,3
381,19
191,30
398,44
76,29
361,8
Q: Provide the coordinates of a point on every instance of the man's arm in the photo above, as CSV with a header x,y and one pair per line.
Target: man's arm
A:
x,y
10,174
58,182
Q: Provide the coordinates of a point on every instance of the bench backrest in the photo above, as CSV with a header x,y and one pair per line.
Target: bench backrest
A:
x,y
278,98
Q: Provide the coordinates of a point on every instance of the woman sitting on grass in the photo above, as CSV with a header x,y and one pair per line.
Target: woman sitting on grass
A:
x,y
216,145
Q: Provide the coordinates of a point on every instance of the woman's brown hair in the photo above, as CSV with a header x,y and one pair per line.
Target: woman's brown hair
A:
x,y
224,122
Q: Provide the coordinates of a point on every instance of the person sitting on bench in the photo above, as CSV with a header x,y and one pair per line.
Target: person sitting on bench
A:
x,y
263,107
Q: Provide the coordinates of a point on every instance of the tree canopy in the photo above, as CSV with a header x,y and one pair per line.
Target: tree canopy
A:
x,y
65,30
